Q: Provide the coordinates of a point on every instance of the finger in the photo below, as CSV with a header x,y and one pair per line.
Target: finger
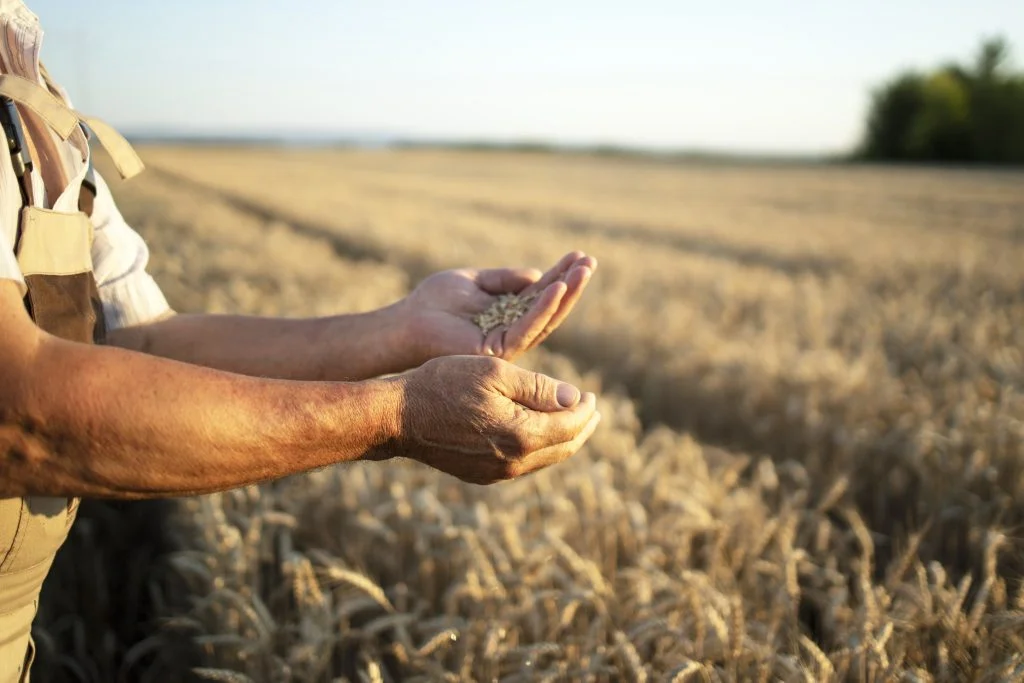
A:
x,y
535,391
542,430
508,342
506,280
520,334
586,262
576,282
552,455
555,273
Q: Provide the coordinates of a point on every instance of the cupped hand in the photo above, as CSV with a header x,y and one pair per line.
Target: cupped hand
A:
x,y
485,420
442,307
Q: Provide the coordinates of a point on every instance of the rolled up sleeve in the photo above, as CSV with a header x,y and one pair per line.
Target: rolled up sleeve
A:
x,y
120,256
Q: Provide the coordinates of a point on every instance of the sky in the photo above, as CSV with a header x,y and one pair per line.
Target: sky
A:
x,y
771,76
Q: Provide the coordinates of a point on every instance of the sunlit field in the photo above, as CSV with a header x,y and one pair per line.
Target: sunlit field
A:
x,y
809,467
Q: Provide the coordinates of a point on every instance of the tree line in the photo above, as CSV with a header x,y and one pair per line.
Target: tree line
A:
x,y
958,113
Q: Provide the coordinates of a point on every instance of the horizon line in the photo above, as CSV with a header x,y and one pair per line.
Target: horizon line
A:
x,y
381,139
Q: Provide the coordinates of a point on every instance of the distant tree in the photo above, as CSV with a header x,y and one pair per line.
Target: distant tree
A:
x,y
997,106
896,106
957,113
942,130
993,55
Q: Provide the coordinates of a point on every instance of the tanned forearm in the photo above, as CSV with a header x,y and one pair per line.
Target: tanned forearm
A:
x,y
77,420
338,348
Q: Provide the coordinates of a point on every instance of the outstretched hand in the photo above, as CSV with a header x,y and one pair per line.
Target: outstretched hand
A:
x,y
444,304
485,420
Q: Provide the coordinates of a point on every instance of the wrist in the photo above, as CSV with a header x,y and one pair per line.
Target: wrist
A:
x,y
360,346
386,399
410,336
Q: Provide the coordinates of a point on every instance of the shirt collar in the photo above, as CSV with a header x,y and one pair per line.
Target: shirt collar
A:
x,y
21,37
17,8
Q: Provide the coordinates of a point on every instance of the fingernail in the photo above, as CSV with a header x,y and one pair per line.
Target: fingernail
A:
x,y
567,395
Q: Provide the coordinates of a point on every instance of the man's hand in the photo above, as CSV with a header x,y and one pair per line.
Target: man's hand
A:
x,y
435,320
484,420
443,305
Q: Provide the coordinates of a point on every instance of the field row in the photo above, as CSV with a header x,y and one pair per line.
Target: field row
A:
x,y
775,539
875,332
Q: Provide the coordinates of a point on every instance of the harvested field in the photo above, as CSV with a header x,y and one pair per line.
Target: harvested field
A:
x,y
810,465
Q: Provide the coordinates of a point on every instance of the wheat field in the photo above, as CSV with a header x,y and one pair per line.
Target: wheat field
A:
x,y
809,468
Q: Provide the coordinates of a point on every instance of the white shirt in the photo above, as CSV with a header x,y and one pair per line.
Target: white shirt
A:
x,y
129,294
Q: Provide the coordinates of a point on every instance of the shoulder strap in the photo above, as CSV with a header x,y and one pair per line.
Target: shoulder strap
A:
x,y
42,102
126,160
10,121
21,161
48,104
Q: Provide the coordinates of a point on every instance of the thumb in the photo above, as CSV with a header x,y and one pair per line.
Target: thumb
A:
x,y
539,392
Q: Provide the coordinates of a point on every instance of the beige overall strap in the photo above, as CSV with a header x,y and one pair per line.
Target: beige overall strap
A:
x,y
125,159
37,98
120,150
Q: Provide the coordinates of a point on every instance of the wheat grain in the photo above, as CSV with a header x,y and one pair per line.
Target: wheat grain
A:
x,y
341,575
684,671
505,310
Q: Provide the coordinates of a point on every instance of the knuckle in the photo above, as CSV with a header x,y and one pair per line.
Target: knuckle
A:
x,y
520,420
539,387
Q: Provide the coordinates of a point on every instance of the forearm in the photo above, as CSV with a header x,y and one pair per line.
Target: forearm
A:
x,y
101,422
338,348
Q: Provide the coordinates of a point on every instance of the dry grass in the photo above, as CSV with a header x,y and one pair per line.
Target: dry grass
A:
x,y
809,468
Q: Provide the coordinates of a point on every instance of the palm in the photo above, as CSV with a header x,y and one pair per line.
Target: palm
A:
x,y
443,306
